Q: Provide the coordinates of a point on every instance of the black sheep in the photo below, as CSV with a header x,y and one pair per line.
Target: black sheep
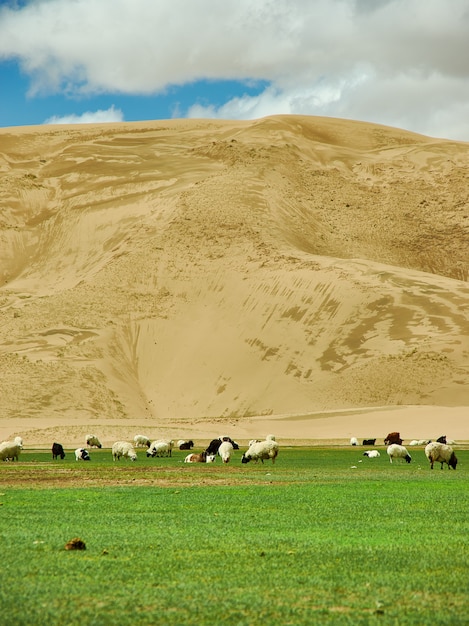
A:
x,y
57,451
186,445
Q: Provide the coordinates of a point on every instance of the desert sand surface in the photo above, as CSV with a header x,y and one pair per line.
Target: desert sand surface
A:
x,y
294,275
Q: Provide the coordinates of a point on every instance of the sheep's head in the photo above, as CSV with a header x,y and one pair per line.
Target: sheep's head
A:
x,y
245,459
453,461
408,458
210,458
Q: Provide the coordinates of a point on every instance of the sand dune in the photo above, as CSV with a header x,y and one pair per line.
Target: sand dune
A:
x,y
308,274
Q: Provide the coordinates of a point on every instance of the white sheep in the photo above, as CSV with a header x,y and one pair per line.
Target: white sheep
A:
x,y
9,451
225,451
254,441
162,447
423,442
141,441
414,442
441,453
353,441
395,451
93,441
267,449
125,449
81,454
372,454
268,438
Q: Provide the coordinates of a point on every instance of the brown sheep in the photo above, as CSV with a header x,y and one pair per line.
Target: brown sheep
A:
x,y
393,438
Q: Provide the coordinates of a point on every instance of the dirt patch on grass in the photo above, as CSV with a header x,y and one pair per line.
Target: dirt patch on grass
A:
x,y
44,476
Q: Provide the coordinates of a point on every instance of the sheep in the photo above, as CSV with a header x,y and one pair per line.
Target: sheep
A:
x,y
372,454
254,441
93,441
57,451
225,451
141,441
9,451
441,453
261,450
353,441
124,449
396,451
163,447
196,458
393,438
203,457
185,444
369,442
213,446
233,443
81,454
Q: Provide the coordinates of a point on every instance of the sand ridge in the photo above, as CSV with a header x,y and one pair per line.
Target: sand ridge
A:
x,y
203,272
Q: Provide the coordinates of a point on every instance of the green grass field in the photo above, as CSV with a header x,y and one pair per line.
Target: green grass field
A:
x,y
324,536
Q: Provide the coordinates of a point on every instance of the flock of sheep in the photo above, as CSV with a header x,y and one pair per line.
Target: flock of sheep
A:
x,y
222,446
439,451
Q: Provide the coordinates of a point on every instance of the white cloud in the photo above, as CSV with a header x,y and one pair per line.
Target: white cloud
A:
x,y
327,56
90,117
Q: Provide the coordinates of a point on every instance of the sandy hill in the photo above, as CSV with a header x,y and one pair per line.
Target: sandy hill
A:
x,y
294,273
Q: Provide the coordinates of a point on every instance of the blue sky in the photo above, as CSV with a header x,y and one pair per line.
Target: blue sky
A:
x,y
402,63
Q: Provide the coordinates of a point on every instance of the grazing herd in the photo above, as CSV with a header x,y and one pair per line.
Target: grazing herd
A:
x,y
439,451
223,447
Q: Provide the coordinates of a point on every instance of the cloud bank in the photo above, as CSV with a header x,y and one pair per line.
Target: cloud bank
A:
x,y
397,62
90,117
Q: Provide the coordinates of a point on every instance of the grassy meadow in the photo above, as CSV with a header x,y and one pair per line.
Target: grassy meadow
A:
x,y
324,536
